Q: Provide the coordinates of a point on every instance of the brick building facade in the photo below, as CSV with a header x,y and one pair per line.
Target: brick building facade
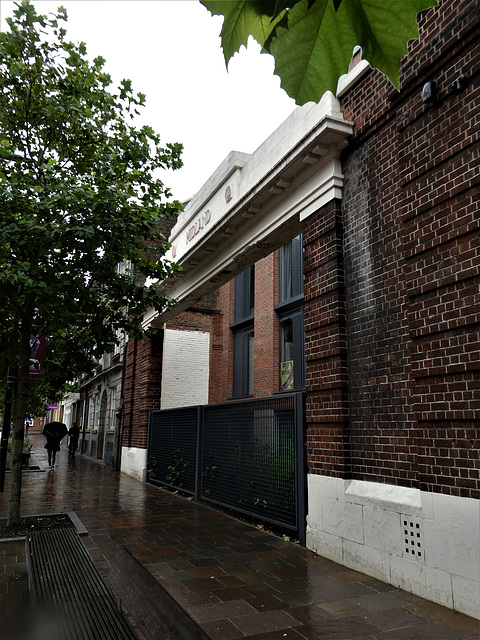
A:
x,y
392,324
411,242
391,262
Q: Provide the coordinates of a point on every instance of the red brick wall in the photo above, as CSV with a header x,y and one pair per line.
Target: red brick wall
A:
x,y
266,351
411,263
221,347
143,379
191,321
325,344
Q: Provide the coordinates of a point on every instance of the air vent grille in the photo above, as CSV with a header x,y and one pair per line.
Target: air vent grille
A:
x,y
413,547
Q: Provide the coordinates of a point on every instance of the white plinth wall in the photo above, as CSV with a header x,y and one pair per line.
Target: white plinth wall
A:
x,y
134,462
424,543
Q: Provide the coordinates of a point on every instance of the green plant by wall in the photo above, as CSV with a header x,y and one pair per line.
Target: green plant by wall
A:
x,y
176,472
152,468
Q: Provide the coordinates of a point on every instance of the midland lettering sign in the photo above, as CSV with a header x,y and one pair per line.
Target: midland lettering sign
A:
x,y
198,226
253,203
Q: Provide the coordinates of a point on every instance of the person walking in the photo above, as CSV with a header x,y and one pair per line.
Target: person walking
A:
x,y
74,434
54,432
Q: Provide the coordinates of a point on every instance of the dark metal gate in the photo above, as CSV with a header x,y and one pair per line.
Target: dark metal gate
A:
x,y
247,456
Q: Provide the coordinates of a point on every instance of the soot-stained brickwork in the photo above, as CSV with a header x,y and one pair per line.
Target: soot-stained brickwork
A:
x,y
326,379
143,380
392,276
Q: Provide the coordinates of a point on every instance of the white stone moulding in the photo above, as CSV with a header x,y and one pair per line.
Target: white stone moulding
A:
x,y
255,203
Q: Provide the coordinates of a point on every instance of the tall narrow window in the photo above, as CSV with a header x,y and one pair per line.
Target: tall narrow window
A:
x,y
291,270
292,359
286,354
243,362
92,421
116,346
243,335
290,313
113,407
244,295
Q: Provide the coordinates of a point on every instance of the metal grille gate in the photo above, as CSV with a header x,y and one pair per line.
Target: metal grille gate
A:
x,y
248,456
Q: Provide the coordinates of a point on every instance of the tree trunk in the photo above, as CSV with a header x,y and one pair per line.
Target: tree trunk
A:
x,y
13,516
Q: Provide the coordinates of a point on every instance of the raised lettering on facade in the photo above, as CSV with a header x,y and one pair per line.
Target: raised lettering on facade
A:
x,y
198,226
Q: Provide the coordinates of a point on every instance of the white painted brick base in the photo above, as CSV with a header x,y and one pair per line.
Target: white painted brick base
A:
x,y
425,543
185,368
184,383
134,463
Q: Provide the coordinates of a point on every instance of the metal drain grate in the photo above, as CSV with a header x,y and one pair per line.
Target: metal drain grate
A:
x,y
412,539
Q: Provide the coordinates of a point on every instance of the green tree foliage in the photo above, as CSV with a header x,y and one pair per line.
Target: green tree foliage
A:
x,y
79,195
312,40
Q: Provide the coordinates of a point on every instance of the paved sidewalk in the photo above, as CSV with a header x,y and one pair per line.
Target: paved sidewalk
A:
x,y
236,581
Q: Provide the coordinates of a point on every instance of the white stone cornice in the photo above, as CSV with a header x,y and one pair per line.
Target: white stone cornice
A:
x,y
253,204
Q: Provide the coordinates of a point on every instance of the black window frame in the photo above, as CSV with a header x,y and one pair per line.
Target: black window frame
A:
x,y
291,308
298,331
290,263
243,362
243,333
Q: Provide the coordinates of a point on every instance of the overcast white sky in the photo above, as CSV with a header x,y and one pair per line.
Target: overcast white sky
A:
x,y
170,49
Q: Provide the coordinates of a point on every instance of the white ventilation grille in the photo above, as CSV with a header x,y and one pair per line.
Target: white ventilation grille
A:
x,y
412,539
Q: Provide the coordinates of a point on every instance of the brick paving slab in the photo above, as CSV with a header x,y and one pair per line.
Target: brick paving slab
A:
x,y
235,580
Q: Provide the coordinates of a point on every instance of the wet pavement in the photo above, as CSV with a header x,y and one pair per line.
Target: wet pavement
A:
x,y
235,580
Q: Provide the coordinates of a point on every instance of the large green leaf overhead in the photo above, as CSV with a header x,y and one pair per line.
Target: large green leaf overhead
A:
x,y
312,40
242,19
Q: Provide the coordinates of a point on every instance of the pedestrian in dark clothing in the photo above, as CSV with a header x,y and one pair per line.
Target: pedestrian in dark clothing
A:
x,y
74,434
54,432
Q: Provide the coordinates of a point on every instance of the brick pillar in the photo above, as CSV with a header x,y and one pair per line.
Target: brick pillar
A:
x,y
325,344
266,327
142,392
221,347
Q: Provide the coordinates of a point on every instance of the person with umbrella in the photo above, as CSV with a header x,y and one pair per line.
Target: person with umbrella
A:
x,y
54,432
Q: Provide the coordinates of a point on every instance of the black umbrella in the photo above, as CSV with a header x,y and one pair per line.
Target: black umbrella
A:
x,y
55,429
